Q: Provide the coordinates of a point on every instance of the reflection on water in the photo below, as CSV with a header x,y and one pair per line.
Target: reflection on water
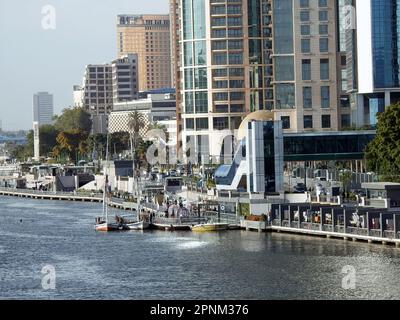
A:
x,y
178,265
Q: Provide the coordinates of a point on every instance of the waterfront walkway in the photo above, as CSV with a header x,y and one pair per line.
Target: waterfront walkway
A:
x,y
364,224
358,223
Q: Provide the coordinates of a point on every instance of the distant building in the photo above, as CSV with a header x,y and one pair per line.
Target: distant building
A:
x,y
125,78
78,94
98,90
107,84
149,37
43,108
373,41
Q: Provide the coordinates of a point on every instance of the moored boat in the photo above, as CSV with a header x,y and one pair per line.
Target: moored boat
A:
x,y
105,226
209,227
140,225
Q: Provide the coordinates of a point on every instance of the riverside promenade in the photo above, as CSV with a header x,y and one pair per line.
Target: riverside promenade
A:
x,y
66,196
372,225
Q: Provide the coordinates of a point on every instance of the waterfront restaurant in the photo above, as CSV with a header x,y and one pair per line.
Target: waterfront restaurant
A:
x,y
362,222
381,195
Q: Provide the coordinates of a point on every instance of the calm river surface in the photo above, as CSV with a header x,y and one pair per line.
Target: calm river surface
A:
x,y
177,265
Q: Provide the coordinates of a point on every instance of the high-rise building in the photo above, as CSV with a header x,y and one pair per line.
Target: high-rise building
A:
x,y
43,108
242,56
373,42
125,78
148,36
106,84
98,89
176,61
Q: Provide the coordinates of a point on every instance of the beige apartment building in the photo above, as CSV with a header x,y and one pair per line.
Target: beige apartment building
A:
x,y
148,36
240,56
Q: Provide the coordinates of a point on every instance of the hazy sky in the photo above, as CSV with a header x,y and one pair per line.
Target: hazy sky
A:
x,y
33,59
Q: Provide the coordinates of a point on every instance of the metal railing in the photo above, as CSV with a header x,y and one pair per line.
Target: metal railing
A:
x,y
389,234
375,233
53,193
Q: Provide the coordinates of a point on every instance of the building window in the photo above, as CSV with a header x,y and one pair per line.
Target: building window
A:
x,y
190,124
326,121
235,58
306,69
323,29
189,102
220,73
308,122
201,102
323,15
285,122
221,123
237,96
307,97
284,68
201,124
305,46
345,121
304,16
219,58
324,69
285,96
200,78
322,3
323,45
325,97
305,30
304,3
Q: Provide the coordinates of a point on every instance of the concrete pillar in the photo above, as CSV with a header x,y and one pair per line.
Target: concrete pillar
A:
x,y
387,99
299,220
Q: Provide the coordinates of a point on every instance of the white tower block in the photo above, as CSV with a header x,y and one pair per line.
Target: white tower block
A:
x,y
36,141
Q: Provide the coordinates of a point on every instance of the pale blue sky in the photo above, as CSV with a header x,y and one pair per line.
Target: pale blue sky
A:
x,y
33,59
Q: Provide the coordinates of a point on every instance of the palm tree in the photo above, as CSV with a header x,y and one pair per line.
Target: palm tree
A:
x,y
136,122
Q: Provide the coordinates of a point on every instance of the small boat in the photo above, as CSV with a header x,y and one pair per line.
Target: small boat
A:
x,y
132,222
140,225
104,226
208,227
103,223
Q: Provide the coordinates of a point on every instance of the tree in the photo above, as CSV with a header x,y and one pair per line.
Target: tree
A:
x,y
48,139
73,119
383,153
71,143
136,123
119,141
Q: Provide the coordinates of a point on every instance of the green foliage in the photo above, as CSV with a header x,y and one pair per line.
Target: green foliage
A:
x,y
383,153
19,152
119,141
211,184
71,143
244,209
48,139
73,119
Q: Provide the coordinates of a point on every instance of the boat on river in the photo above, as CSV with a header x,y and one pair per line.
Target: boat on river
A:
x,y
132,222
209,227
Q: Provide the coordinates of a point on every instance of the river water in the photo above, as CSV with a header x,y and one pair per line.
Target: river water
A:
x,y
179,265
